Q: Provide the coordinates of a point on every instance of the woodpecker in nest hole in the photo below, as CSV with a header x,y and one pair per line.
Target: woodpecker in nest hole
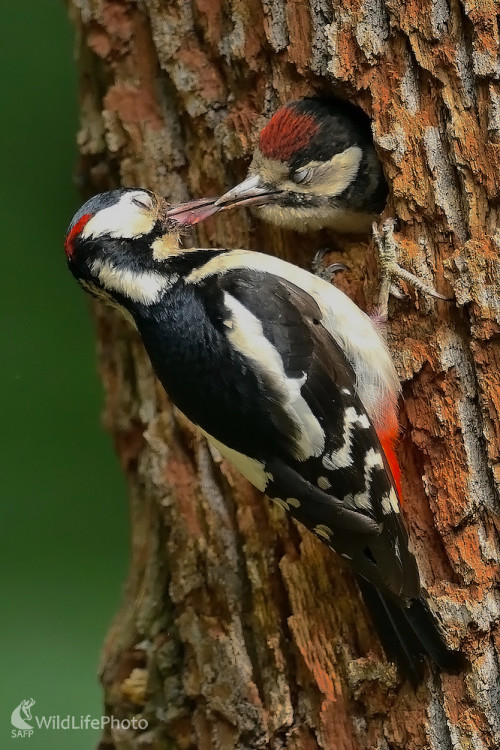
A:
x,y
285,375
314,167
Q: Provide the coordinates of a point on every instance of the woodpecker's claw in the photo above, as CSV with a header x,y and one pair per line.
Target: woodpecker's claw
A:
x,y
325,272
390,269
397,292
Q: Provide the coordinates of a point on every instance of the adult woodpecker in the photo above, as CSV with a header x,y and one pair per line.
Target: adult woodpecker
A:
x,y
284,375
314,167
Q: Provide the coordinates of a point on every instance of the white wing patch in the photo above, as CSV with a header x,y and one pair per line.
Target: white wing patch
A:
x,y
373,459
323,483
390,503
342,457
146,287
285,504
323,531
247,337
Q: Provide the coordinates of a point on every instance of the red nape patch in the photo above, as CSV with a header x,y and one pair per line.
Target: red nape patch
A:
x,y
70,239
286,133
387,441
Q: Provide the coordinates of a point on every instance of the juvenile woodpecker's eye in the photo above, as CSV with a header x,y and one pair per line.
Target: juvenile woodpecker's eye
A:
x,y
142,203
302,175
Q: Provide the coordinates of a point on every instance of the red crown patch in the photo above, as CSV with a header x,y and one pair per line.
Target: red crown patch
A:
x,y
286,132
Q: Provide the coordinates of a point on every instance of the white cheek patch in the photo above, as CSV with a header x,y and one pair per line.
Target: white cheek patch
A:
x,y
331,178
123,220
342,457
247,337
146,287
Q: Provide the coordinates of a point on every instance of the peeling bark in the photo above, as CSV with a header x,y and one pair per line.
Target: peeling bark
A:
x,y
238,629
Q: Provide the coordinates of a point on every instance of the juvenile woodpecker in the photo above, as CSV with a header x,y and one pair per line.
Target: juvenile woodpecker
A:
x,y
284,375
315,166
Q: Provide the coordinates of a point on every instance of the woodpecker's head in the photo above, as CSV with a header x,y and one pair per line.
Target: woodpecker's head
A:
x,y
314,166
119,244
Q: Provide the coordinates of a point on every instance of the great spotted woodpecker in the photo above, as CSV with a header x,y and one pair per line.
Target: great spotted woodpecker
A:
x,y
315,166
282,373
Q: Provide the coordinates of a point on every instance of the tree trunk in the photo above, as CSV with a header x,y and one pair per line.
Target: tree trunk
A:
x,y
238,628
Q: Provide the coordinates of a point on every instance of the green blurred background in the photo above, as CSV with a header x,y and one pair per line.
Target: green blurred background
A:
x,y
63,500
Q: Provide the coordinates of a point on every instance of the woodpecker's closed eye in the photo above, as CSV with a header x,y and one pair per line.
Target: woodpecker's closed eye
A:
x,y
142,203
302,175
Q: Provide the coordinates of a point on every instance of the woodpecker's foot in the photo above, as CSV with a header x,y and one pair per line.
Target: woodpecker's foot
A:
x,y
327,273
390,269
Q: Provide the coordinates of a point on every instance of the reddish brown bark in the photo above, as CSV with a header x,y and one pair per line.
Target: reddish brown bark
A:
x,y
238,629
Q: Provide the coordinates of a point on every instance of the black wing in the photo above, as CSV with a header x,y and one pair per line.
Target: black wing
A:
x,y
345,494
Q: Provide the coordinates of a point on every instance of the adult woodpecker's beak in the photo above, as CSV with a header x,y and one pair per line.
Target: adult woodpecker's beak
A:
x,y
192,212
252,191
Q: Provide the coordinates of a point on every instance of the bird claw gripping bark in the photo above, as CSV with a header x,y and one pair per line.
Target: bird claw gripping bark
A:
x,y
327,273
390,269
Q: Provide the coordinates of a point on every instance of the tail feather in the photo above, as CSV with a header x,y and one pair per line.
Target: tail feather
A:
x,y
408,634
425,628
396,636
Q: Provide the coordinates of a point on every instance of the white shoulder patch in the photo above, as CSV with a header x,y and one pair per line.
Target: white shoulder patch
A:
x,y
247,337
377,383
342,457
334,176
373,459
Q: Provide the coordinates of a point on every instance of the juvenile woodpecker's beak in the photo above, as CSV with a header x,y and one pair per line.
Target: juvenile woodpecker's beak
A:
x,y
251,191
192,212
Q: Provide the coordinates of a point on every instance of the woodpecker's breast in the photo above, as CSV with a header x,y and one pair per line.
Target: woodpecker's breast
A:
x,y
206,376
312,218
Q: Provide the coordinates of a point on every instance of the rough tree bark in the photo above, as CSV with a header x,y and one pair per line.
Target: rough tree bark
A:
x,y
238,629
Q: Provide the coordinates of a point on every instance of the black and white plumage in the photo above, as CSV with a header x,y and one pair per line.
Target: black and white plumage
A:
x,y
284,375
